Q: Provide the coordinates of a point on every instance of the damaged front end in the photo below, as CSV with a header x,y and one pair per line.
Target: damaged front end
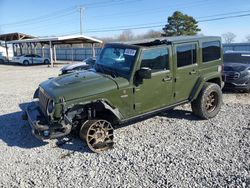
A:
x,y
39,114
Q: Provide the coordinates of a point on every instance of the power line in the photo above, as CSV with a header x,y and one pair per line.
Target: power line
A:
x,y
155,10
59,12
143,26
46,16
113,3
117,27
224,14
226,17
71,10
44,20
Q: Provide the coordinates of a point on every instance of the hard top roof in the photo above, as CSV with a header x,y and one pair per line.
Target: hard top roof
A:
x,y
169,40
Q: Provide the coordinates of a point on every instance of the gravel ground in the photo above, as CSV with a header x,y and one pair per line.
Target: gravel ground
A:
x,y
174,149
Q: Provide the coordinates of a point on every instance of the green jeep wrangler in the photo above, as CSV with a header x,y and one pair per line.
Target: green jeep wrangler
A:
x,y
130,81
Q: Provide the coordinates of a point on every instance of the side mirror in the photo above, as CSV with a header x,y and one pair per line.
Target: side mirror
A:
x,y
144,73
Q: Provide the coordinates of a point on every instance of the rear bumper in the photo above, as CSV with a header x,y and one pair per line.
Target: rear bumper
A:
x,y
41,128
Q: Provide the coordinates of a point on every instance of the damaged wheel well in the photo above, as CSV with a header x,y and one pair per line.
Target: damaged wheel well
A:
x,y
92,110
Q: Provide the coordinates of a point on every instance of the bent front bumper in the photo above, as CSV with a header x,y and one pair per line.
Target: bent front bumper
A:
x,y
237,85
41,128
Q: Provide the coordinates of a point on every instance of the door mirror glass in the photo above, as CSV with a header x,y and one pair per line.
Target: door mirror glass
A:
x,y
144,73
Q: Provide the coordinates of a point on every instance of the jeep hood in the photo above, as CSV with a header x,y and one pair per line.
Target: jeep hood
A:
x,y
81,84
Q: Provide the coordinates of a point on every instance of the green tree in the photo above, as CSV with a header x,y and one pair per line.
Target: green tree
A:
x,y
180,24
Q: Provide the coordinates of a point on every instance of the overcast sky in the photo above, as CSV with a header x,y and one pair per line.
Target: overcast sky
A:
x,y
104,18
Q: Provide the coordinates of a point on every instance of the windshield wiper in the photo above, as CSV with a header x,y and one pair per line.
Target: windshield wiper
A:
x,y
99,68
107,70
112,71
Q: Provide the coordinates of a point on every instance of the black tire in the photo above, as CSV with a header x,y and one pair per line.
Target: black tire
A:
x,y
98,134
26,62
208,102
46,61
1,61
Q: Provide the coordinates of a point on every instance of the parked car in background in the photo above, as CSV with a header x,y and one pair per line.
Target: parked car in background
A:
x,y
237,70
30,59
84,65
2,58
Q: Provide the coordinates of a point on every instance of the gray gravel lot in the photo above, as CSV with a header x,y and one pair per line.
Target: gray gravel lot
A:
x,y
174,149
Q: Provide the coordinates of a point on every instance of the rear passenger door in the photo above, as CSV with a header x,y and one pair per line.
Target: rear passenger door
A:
x,y
186,70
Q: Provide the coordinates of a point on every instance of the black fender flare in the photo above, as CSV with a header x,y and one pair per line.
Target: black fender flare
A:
x,y
213,78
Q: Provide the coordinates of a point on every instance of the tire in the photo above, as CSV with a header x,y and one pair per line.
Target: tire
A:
x,y
46,61
98,135
209,101
1,61
26,62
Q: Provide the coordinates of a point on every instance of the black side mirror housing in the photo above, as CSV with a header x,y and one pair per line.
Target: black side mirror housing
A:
x,y
144,73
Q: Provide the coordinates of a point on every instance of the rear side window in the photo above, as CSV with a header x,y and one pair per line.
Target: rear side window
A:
x,y
186,55
156,59
211,51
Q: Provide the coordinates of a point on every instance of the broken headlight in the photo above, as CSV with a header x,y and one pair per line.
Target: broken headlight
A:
x,y
50,107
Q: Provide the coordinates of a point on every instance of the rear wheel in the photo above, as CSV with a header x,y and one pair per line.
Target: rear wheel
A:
x,y
98,134
208,102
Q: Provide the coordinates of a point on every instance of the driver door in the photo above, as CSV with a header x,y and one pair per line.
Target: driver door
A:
x,y
157,92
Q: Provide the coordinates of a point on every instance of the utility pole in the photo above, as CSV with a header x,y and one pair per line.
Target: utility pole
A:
x,y
81,13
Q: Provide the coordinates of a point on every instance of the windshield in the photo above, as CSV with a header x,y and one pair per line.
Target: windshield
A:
x,y
116,61
237,58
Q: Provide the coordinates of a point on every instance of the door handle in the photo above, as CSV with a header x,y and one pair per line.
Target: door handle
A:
x,y
166,79
193,72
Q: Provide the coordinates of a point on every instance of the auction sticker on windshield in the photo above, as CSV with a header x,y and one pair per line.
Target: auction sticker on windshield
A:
x,y
130,52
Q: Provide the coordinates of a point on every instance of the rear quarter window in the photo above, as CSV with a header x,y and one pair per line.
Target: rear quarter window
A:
x,y
211,51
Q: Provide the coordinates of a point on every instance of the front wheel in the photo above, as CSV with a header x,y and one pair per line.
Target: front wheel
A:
x,y
98,134
46,61
26,62
208,102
